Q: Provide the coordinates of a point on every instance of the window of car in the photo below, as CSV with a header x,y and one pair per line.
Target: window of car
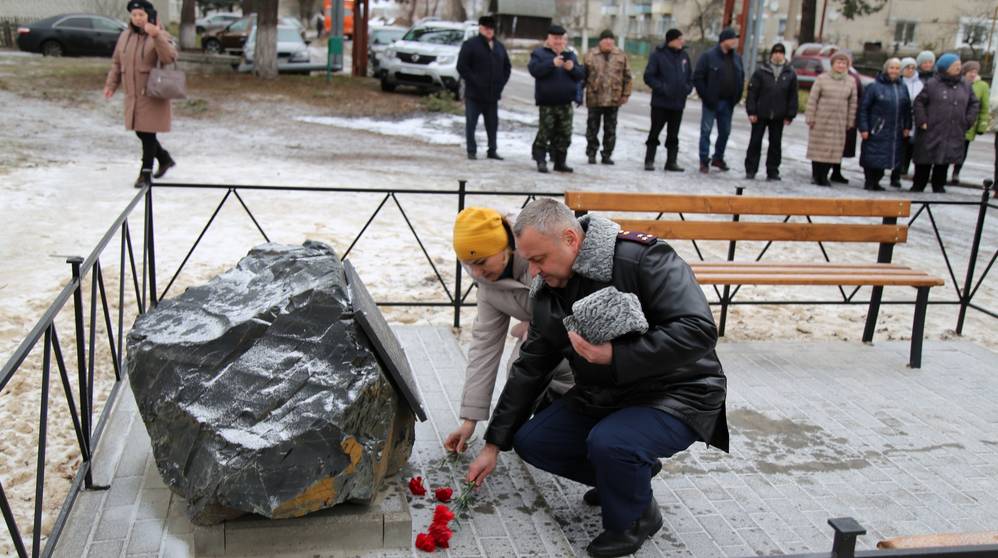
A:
x,y
103,24
435,35
288,35
75,23
239,26
385,36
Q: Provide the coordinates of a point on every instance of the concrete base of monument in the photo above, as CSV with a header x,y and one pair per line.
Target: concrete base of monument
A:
x,y
346,529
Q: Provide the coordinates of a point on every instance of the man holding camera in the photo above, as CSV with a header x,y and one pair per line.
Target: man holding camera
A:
x,y
556,73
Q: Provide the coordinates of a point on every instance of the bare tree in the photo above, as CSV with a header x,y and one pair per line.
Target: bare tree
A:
x,y
705,13
265,55
188,32
850,9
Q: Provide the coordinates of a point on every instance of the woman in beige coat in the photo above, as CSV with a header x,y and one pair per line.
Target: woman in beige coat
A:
x,y
831,110
139,49
484,243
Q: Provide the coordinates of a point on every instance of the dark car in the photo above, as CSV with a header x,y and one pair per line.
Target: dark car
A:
x,y
231,38
71,35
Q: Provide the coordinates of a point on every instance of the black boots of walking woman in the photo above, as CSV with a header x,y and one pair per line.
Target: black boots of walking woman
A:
x,y
151,149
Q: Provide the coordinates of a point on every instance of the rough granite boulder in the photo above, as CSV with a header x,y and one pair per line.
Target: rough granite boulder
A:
x,y
261,394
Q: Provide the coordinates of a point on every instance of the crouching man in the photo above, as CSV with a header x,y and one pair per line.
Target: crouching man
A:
x,y
627,313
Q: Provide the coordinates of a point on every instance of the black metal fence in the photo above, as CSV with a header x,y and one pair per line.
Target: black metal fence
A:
x,y
143,279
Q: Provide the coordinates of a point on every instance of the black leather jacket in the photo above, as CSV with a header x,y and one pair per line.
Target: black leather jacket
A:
x,y
672,367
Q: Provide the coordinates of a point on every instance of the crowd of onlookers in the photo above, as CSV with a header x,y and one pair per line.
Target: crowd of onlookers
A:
x,y
919,111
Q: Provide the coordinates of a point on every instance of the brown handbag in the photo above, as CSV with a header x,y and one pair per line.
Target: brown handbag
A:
x,y
165,83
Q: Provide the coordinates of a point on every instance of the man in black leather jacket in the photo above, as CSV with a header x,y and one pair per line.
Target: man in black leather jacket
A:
x,y
641,396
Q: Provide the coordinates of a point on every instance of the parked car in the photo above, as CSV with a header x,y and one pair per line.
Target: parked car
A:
x,y
215,22
71,35
380,39
231,38
813,59
426,57
293,54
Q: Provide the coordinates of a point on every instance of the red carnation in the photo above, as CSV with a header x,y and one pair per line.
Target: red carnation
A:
x,y
443,494
441,535
425,542
442,515
416,486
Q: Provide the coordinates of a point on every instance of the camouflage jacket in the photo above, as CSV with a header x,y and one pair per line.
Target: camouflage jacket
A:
x,y
608,80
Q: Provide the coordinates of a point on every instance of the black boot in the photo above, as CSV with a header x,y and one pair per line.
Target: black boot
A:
x,y
541,157
650,157
605,159
591,159
559,162
591,496
165,163
610,543
670,162
144,179
837,175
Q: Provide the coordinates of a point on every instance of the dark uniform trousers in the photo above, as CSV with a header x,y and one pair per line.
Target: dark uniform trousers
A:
x,y
609,117
490,111
554,130
615,454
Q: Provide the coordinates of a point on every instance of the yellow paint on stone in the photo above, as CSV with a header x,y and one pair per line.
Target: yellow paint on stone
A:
x,y
355,451
319,496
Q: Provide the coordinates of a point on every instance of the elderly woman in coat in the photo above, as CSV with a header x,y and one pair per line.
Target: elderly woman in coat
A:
x,y
831,110
971,74
139,49
914,85
944,112
484,243
884,124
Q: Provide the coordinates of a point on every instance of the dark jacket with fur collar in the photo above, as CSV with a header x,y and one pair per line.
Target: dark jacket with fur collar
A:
x,y
672,366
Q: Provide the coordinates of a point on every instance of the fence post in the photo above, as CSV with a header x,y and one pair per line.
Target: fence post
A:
x,y
974,249
458,297
151,248
847,530
81,360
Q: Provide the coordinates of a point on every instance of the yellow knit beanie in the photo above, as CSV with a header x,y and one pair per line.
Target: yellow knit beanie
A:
x,y
479,233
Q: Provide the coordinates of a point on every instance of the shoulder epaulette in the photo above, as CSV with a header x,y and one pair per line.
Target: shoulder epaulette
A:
x,y
639,237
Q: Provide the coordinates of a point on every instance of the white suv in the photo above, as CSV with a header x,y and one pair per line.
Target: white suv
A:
x,y
426,57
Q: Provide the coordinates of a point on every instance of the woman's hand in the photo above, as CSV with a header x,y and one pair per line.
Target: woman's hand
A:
x,y
108,92
152,30
865,135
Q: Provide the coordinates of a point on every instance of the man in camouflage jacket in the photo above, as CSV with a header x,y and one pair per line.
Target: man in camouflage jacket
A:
x,y
608,86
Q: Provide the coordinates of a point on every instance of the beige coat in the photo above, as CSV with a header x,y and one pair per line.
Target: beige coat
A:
x,y
831,110
608,81
134,57
497,303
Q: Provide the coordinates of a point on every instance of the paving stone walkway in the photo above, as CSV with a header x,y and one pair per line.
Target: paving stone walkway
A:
x,y
819,430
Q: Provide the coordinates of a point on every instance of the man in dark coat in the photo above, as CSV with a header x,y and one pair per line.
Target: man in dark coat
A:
x,y
771,103
485,67
556,72
719,80
944,111
669,74
648,382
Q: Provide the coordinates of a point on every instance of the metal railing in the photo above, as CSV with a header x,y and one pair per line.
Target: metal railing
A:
x,y
147,295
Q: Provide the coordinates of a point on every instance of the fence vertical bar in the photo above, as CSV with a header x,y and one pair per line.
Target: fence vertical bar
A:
x,y
81,358
151,247
965,295
36,536
121,296
458,299
8,517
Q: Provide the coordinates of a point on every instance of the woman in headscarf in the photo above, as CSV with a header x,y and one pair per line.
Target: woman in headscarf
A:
x,y
831,110
914,85
884,123
971,74
851,140
944,112
140,48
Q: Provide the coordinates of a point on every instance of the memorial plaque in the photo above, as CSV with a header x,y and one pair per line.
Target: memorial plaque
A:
x,y
386,346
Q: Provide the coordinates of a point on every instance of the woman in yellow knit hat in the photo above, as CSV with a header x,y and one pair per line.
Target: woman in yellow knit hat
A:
x,y
483,242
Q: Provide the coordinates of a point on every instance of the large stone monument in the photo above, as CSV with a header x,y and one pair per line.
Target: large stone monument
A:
x,y
262,393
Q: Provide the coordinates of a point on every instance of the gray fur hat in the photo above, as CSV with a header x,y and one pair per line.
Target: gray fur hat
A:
x,y
606,315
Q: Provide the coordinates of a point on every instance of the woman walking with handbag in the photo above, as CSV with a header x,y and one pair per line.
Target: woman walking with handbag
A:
x,y
139,49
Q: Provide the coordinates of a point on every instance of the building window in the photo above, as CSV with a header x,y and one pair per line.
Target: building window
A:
x,y
782,27
664,24
973,32
904,32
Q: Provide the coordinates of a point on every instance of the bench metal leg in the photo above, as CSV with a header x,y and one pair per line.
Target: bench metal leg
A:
x,y
918,327
871,315
724,311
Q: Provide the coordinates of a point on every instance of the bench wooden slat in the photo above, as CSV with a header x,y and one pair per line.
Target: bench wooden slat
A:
x,y
816,265
796,232
917,280
737,270
736,205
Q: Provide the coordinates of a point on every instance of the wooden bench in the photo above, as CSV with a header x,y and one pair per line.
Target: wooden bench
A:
x,y
887,233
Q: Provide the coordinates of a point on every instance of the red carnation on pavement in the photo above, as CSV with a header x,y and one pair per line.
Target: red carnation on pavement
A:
x,y
416,486
442,515
441,535
425,542
443,494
